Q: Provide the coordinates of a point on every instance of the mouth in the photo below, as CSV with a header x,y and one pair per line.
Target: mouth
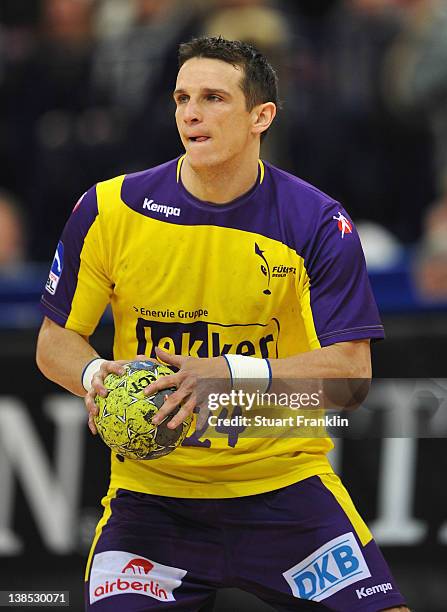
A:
x,y
198,139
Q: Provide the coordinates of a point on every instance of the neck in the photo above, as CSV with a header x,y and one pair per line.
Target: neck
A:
x,y
219,184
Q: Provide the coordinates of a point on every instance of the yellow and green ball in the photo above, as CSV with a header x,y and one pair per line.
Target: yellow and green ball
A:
x,y
125,416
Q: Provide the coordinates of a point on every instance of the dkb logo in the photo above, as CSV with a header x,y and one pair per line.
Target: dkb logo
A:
x,y
332,567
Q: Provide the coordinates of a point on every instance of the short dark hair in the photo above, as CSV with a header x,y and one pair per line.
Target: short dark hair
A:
x,y
259,83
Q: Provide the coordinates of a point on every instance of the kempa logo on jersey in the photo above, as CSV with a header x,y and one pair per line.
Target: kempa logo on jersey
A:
x,y
167,211
118,572
330,568
377,588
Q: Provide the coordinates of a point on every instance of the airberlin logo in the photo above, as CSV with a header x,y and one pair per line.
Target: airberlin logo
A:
x,y
138,566
117,572
120,586
344,225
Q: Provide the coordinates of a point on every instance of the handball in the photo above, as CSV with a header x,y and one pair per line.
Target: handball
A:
x,y
124,420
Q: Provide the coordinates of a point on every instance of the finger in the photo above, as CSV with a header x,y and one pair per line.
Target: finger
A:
x,y
185,411
98,387
175,360
164,382
108,367
90,403
112,367
91,425
171,402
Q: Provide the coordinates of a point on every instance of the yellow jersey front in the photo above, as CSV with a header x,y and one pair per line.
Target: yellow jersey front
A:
x,y
276,272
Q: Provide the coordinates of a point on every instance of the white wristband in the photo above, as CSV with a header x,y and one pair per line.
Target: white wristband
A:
x,y
249,374
89,371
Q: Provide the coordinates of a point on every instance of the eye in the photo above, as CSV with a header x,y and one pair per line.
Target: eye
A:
x,y
213,98
181,99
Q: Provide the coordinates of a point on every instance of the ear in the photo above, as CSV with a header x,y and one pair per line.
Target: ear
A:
x,y
262,116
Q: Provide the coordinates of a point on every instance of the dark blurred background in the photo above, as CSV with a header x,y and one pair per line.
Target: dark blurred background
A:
x,y
85,94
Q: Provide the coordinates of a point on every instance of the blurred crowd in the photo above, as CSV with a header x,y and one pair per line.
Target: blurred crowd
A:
x,y
85,94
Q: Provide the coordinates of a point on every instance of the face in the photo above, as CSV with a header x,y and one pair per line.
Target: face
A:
x,y
211,114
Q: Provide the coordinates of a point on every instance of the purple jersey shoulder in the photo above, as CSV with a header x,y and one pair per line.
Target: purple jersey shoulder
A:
x,y
61,284
302,206
161,181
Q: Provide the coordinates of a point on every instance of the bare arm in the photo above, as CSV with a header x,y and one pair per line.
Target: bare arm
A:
x,y
342,371
299,373
62,355
341,360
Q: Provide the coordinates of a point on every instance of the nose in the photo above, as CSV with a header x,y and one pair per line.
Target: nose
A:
x,y
191,112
